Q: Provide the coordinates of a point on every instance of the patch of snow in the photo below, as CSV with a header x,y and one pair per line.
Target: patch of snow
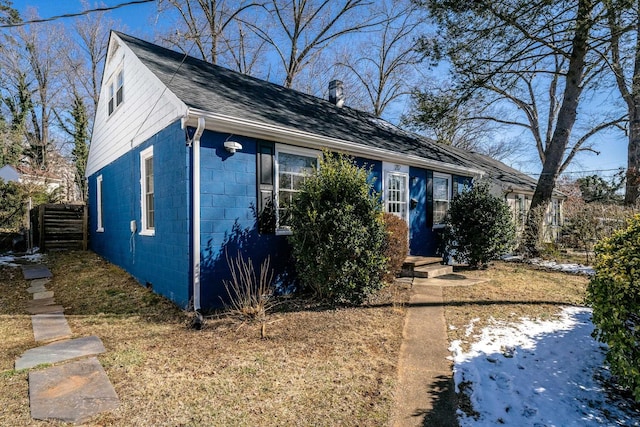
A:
x,y
470,326
538,373
552,265
9,259
36,257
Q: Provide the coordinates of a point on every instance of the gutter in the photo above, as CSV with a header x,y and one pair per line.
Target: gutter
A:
x,y
195,214
228,124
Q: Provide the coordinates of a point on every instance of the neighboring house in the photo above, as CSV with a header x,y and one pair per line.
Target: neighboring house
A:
x,y
25,175
517,189
190,163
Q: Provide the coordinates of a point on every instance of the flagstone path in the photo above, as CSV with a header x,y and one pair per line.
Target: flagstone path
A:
x,y
78,388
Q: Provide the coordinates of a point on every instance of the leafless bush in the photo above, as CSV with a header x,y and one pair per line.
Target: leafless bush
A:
x,y
588,223
250,295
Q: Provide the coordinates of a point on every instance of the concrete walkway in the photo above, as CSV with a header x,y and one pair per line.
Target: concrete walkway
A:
x,y
78,389
425,394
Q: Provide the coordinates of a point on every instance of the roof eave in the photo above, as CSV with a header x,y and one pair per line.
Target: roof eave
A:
x,y
229,124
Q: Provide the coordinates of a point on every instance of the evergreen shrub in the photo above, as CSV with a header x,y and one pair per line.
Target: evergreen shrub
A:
x,y
479,227
338,232
614,294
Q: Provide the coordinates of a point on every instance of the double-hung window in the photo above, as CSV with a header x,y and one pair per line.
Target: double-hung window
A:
x,y
292,167
100,225
116,91
441,197
147,192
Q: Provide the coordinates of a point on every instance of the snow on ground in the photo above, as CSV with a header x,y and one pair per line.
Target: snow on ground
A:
x,y
9,259
552,265
538,373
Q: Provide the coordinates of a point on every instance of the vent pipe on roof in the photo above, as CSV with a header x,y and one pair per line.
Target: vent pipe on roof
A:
x,y
336,93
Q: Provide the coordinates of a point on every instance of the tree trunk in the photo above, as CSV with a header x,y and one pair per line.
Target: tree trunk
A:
x,y
632,190
554,152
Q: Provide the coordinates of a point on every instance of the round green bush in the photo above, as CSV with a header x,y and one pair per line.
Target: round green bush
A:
x,y
614,294
338,232
478,226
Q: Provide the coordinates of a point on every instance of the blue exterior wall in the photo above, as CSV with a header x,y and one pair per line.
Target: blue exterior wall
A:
x,y
161,260
375,172
228,216
422,238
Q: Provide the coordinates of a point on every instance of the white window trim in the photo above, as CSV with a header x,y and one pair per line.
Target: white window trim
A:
x,y
397,170
449,180
144,230
100,225
113,84
289,149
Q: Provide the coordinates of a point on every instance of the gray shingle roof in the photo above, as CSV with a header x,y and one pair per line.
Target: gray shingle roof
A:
x,y
216,89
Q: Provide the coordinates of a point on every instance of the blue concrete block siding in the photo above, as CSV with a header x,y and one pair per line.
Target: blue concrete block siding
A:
x,y
228,220
161,260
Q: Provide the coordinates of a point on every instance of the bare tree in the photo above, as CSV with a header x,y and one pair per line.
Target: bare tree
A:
x,y
212,26
32,56
85,56
535,56
384,65
438,114
623,22
304,28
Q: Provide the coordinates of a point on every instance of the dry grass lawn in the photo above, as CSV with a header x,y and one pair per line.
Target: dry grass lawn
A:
x,y
317,366
515,291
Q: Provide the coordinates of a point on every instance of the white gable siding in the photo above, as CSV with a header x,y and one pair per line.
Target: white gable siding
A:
x,y
148,107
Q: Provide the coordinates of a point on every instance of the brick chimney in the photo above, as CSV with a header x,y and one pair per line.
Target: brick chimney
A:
x,y
336,94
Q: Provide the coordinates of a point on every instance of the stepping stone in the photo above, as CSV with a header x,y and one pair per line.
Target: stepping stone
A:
x,y
41,302
37,271
36,288
45,309
41,295
39,282
60,351
73,392
50,327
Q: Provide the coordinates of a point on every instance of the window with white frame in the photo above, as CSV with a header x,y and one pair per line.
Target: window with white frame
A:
x,y
100,226
396,194
441,197
556,219
521,211
116,91
147,192
292,167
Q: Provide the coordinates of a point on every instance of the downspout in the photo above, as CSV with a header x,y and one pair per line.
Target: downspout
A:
x,y
195,214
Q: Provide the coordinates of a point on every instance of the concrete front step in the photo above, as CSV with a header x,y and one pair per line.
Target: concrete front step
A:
x,y
418,261
425,267
434,270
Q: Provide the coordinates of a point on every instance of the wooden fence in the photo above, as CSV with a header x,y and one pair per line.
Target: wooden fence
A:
x,y
59,227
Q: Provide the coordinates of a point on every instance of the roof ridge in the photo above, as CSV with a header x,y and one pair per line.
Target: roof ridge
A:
x,y
198,61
